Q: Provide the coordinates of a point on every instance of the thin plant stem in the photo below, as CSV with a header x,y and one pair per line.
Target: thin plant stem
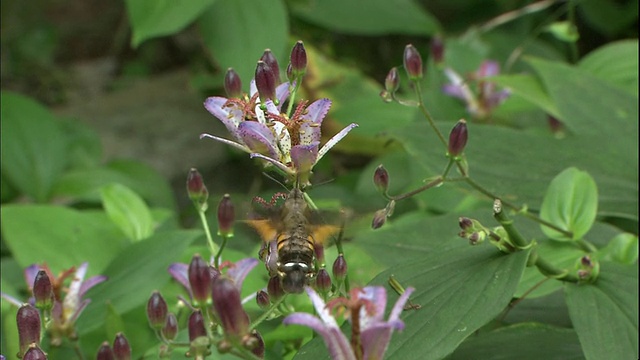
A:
x,y
267,313
216,262
213,248
426,113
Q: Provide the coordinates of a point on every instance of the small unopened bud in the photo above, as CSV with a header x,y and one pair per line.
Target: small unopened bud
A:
x,y
157,310
556,127
289,72
458,138
170,328
43,290
232,84
274,288
381,179
379,218
412,62
340,268
474,238
271,60
105,352
226,216
28,321
392,81
34,353
196,189
465,223
121,347
196,325
256,344
586,261
200,280
437,49
228,307
323,281
263,299
298,59
265,82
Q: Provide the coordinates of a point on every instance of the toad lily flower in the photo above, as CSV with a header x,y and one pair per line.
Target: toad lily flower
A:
x,y
487,98
370,332
290,143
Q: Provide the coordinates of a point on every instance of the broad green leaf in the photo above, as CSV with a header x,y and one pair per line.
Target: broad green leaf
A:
x,y
528,87
134,274
236,33
34,149
615,63
570,203
377,17
60,236
605,314
128,211
525,341
623,248
459,291
113,321
611,18
550,309
153,18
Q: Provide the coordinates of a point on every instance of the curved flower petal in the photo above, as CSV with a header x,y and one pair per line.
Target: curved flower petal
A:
x,y
236,145
315,113
91,282
282,93
335,340
488,68
230,115
241,269
375,340
399,305
283,139
377,296
180,272
275,162
30,274
259,138
334,140
304,157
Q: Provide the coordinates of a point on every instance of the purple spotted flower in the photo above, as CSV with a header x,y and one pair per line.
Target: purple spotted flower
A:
x,y
365,309
481,102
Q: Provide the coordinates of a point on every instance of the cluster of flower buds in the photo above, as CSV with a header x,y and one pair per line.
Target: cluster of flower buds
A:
x,y
380,216
472,230
120,350
587,269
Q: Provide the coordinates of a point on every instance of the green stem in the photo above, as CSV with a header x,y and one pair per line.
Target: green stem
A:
x,y
213,248
267,313
426,113
77,350
216,262
426,186
514,235
571,16
292,96
549,270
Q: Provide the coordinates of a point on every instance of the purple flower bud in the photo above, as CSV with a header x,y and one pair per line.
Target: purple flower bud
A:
x,y
170,328
105,352
226,216
298,59
121,347
256,344
271,60
323,280
263,299
381,179
34,353
586,261
392,81
555,125
196,325
437,49
196,189
340,268
28,320
412,62
265,82
228,307
274,288
157,310
458,138
474,238
43,290
200,280
379,218
232,84
290,72
465,223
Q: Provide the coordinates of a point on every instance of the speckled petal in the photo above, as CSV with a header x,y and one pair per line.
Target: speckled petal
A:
x,y
377,296
315,113
239,146
230,116
180,273
283,140
259,138
304,157
337,343
334,140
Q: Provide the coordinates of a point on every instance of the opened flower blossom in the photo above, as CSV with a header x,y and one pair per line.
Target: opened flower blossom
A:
x,y
365,309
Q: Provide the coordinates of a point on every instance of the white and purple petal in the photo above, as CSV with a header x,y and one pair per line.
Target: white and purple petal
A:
x,y
488,68
230,116
310,128
377,296
304,157
283,139
239,146
91,282
259,138
399,305
282,93
375,340
180,272
239,272
334,140
336,341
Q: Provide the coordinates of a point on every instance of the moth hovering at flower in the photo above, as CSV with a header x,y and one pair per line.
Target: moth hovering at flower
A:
x,y
292,240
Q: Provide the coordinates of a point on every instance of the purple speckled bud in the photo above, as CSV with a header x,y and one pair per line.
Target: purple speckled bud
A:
x,y
170,328
196,325
412,62
43,290
226,216
28,321
265,82
271,60
298,59
228,308
458,138
200,280
232,84
105,352
121,347
157,310
379,218
437,49
323,281
274,288
263,299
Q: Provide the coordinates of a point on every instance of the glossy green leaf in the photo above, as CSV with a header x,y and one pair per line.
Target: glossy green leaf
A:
x,y
623,248
615,63
34,149
378,17
525,341
236,33
570,203
128,211
59,236
153,18
605,314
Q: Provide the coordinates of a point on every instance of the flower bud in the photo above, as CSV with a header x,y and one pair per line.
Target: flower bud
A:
x,y
271,60
263,300
265,82
34,353
290,72
232,84
323,280
458,138
28,321
437,49
298,59
105,352
474,238
340,268
256,344
381,179
379,218
200,280
196,325
274,288
228,308
170,328
465,223
412,62
586,261
392,81
157,310
196,189
43,290
121,347
226,216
